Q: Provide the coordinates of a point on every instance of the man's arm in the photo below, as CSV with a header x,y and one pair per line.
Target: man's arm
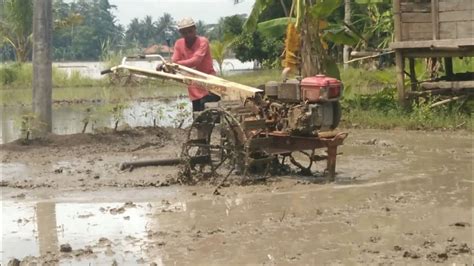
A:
x,y
176,55
197,57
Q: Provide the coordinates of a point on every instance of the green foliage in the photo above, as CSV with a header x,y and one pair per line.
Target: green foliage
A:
x,y
257,10
146,32
275,28
253,46
219,51
29,126
182,115
8,74
16,27
374,21
383,101
381,110
83,41
338,34
362,81
324,8
20,76
117,112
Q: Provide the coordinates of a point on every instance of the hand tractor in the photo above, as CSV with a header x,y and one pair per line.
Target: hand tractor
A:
x,y
255,131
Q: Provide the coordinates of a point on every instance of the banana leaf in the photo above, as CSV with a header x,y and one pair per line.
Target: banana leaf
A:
x,y
250,24
274,28
325,8
337,34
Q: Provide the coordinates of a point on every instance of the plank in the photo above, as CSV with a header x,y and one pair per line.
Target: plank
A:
x,y
455,5
397,24
415,7
408,17
416,31
448,85
435,19
447,30
464,42
464,15
465,29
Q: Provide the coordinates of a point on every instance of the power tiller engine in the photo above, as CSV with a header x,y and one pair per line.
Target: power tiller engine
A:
x,y
303,107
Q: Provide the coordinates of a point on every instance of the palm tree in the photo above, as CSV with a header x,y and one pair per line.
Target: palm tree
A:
x,y
148,30
16,27
219,51
133,31
166,27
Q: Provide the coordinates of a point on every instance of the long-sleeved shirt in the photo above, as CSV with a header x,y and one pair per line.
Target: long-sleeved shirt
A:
x,y
197,57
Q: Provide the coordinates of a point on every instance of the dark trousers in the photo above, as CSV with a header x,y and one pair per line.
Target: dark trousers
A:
x,y
198,105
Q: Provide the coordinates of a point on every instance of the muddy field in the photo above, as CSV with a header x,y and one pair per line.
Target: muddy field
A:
x,y
399,197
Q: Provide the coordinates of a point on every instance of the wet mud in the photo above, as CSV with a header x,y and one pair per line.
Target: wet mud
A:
x,y
400,197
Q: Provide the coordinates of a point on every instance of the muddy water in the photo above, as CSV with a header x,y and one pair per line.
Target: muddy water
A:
x,y
69,119
400,197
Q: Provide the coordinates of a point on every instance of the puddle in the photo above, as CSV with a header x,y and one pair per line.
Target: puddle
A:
x,y
69,119
115,231
12,171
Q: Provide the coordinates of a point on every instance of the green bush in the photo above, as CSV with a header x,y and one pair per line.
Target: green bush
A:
x,y
7,75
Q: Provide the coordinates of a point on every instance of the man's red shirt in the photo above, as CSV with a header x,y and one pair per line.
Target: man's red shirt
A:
x,y
197,57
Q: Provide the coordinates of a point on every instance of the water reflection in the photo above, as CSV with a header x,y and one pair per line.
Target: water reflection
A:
x,y
113,231
70,119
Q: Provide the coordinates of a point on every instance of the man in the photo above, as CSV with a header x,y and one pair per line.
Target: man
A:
x,y
193,51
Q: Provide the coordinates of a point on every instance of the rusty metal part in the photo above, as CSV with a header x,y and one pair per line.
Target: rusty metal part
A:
x,y
250,146
163,162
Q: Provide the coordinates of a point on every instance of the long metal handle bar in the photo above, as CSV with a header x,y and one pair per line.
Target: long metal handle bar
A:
x,y
224,88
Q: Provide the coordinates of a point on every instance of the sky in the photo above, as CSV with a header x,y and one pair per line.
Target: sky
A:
x,y
208,11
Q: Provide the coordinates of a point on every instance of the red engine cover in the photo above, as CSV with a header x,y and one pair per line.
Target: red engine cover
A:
x,y
311,86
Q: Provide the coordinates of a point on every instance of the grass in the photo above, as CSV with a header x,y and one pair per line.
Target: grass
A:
x,y
20,76
255,78
380,110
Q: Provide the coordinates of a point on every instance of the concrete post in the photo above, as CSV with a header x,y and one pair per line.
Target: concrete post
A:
x,y
42,65
347,19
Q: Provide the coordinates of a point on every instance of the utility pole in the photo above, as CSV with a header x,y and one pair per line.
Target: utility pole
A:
x,y
42,65
347,20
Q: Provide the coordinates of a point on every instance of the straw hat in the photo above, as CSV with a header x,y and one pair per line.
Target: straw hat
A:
x,y
186,23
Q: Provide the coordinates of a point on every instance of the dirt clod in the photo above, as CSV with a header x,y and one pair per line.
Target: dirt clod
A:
x,y
461,224
437,257
14,262
454,249
411,254
115,211
65,248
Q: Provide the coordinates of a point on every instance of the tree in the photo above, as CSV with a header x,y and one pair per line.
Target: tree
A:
x,y
347,20
146,31
166,28
84,40
256,47
16,26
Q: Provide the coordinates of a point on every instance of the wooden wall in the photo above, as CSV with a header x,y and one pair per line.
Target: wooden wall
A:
x,y
452,19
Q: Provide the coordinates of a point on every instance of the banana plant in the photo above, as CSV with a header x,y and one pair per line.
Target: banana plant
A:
x,y
311,20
